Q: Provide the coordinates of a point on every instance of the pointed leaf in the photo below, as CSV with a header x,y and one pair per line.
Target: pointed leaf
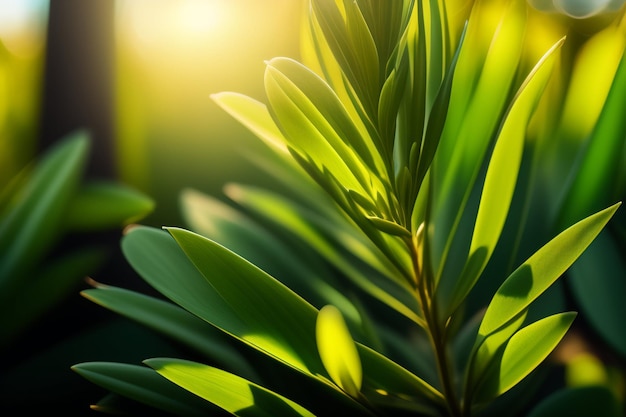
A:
x,y
285,258
144,385
316,124
253,115
230,392
523,353
501,177
227,291
105,205
172,321
540,271
337,350
485,350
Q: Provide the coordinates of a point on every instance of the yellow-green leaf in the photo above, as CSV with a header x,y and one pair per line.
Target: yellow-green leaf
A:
x,y
228,391
541,270
338,351
524,352
501,177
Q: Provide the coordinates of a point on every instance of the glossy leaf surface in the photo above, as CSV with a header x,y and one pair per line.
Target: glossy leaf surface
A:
x,y
230,392
337,350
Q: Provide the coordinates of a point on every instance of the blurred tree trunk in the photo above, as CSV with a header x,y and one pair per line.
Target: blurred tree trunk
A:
x,y
78,78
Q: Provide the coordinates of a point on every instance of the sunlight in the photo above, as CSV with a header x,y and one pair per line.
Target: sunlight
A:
x,y
22,25
179,23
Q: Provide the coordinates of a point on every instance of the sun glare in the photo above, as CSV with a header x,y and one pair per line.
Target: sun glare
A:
x,y
201,17
185,22
22,25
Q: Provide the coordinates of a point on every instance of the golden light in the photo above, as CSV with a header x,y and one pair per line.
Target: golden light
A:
x,y
22,25
174,24
171,55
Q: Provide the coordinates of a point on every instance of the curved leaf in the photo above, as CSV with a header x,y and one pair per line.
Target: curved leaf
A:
x,y
316,124
523,353
253,115
337,350
174,322
540,271
501,178
227,291
144,385
230,392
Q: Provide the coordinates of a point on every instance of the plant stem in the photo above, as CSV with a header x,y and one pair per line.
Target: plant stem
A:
x,y
436,336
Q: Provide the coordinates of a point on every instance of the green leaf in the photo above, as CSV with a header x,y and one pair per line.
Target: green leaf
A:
x,y
230,282
385,382
544,267
389,227
479,97
317,125
284,327
338,242
601,157
337,350
35,222
253,115
347,35
173,322
105,205
501,178
578,402
284,257
523,353
144,385
230,392
485,350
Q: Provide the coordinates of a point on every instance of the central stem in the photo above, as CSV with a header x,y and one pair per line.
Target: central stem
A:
x,y
436,335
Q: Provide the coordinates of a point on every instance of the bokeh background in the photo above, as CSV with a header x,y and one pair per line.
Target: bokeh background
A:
x,y
138,76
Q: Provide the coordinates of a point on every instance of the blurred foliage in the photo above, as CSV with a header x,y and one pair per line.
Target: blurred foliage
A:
x,y
53,225
436,180
21,67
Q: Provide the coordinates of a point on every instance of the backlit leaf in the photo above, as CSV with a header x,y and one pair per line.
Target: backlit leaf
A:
x,y
501,178
144,385
230,392
337,350
535,275
523,353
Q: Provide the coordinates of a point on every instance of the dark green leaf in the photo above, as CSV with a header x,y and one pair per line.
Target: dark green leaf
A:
x,y
144,385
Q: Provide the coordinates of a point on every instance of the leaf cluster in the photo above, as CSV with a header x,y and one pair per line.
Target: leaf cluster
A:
x,y
400,142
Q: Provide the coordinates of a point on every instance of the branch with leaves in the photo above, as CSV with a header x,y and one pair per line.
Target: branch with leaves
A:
x,y
400,140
